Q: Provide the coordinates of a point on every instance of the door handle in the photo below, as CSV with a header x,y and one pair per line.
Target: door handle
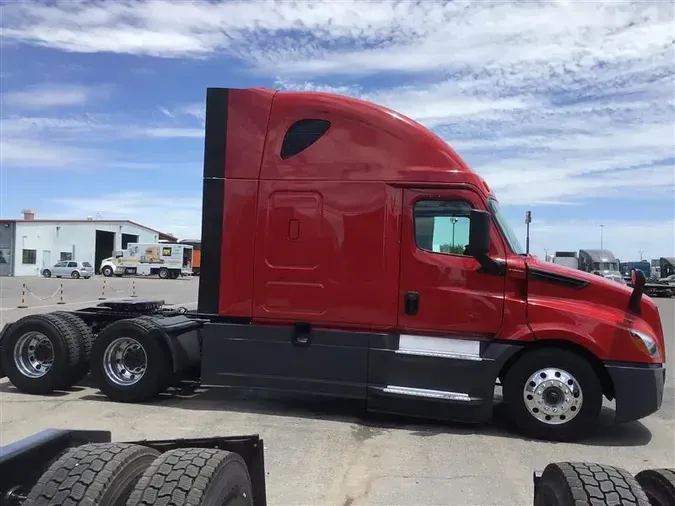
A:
x,y
411,303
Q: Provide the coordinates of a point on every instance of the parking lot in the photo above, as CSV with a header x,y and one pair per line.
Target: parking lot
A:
x,y
325,452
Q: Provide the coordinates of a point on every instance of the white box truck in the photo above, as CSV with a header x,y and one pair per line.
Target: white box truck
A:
x,y
168,261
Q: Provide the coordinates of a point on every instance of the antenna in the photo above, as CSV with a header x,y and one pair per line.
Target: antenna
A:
x,y
528,220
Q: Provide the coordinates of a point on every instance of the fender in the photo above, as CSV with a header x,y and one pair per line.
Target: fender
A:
x,y
602,330
181,336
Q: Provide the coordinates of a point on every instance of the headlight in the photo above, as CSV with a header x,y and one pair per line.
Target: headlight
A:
x,y
647,341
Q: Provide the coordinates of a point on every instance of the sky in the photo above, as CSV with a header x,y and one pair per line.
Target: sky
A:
x,y
566,108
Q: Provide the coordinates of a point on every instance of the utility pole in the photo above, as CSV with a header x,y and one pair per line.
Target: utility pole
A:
x,y
642,252
602,227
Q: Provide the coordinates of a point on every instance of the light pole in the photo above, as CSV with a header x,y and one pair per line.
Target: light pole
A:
x,y
642,252
454,221
602,227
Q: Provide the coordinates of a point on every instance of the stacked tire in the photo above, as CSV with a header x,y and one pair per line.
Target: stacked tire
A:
x,y
590,484
118,474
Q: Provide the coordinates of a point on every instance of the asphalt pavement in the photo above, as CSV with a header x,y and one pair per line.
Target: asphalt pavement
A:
x,y
327,452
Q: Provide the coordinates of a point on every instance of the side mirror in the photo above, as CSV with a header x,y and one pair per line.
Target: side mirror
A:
x,y
479,233
637,278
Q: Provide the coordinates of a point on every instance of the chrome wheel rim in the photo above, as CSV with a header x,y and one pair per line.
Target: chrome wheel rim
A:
x,y
553,396
34,354
125,361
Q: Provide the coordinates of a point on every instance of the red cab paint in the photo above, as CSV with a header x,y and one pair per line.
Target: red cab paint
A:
x,y
327,236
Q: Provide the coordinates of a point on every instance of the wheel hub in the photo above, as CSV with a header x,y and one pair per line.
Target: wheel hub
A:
x,y
33,354
553,396
125,361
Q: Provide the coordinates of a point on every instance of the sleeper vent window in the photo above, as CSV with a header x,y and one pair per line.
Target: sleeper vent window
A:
x,y
301,135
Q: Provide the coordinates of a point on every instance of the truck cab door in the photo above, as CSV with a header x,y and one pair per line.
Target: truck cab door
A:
x,y
443,290
443,362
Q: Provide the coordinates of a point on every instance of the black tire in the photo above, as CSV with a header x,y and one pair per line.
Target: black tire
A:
x,y
66,353
659,485
86,338
581,420
107,271
158,367
47,273
163,273
194,476
99,474
75,275
586,484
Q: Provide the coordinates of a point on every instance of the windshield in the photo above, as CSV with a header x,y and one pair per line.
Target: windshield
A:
x,y
606,266
506,229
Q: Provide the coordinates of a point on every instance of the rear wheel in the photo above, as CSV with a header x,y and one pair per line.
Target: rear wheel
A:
x,y
163,273
75,275
86,339
585,484
195,476
103,474
659,485
128,364
39,353
553,394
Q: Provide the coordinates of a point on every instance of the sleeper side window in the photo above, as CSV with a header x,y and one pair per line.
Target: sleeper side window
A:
x,y
442,226
301,135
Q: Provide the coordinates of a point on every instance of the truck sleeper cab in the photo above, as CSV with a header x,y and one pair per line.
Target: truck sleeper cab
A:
x,y
377,265
352,253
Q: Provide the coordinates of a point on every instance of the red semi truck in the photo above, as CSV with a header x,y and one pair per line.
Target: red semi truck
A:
x,y
352,253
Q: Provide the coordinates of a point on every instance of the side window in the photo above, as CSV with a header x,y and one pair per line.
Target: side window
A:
x,y
72,264
301,135
442,226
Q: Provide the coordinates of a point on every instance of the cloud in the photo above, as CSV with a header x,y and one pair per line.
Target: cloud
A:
x,y
626,239
182,218
52,95
553,102
32,153
57,142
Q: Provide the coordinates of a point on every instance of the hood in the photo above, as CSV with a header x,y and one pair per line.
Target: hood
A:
x,y
587,286
594,296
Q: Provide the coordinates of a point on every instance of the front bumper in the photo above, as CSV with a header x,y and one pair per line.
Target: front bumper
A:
x,y
638,389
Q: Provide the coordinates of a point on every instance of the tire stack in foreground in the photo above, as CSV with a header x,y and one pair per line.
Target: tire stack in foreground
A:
x,y
117,474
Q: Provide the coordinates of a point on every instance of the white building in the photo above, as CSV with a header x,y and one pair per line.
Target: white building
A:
x,y
29,245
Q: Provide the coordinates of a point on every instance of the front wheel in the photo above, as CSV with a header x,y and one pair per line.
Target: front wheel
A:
x,y
553,394
107,271
75,275
47,273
